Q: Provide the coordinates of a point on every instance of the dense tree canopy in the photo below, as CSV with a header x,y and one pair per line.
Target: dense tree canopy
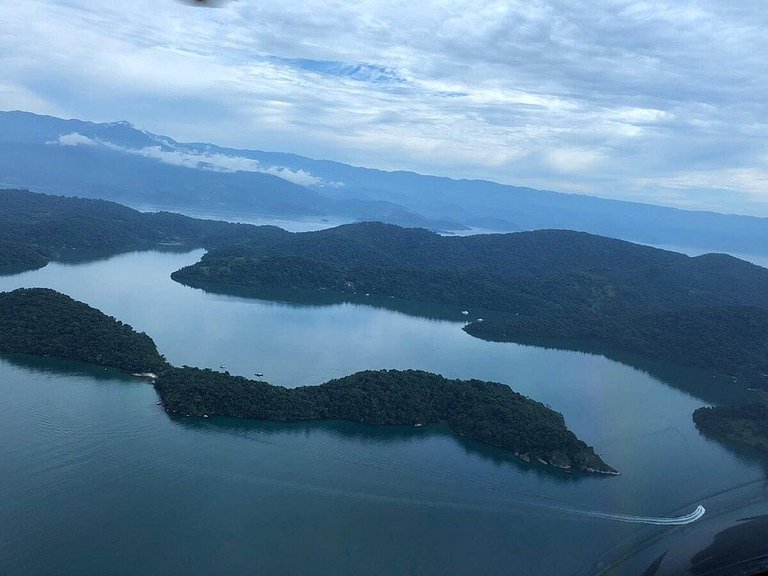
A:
x,y
485,411
45,322
728,339
37,228
744,425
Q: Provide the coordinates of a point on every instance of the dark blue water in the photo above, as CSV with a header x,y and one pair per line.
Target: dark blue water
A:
x,y
96,479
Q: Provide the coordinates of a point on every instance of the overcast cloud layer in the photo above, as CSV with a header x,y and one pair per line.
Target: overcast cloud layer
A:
x,y
661,102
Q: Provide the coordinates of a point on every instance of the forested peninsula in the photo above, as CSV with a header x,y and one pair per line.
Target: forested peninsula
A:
x,y
45,322
38,228
593,293
740,425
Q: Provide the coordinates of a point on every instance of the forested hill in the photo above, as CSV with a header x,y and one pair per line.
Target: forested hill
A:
x,y
736,425
495,271
354,251
485,411
545,284
45,322
117,161
36,228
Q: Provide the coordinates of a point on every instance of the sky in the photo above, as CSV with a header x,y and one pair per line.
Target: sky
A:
x,y
663,102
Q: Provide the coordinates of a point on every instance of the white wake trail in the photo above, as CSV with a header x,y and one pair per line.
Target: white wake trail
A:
x,y
676,521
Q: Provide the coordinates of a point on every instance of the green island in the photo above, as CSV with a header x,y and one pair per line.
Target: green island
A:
x,y
488,412
730,340
745,425
45,322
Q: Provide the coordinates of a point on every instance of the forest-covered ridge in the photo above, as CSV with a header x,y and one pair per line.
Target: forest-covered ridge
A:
x,y
745,425
37,228
355,256
47,323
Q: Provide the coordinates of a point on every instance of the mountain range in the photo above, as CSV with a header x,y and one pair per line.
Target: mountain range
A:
x,y
117,161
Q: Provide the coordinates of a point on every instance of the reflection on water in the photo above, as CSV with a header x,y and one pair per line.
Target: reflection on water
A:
x,y
711,388
375,435
318,299
57,366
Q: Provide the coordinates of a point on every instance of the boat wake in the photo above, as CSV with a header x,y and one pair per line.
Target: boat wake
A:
x,y
675,521
534,501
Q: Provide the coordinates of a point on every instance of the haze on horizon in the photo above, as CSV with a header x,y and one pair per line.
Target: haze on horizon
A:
x,y
659,102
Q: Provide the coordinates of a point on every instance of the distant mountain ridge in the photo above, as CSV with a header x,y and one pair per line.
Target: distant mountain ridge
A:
x,y
116,161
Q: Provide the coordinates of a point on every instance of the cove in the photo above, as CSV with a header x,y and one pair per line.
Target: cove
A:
x,y
96,479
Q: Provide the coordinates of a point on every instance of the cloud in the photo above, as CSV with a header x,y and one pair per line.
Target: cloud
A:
x,y
300,177
593,97
751,181
73,139
574,159
215,162
362,72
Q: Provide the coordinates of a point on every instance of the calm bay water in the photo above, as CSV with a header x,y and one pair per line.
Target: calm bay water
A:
x,y
96,479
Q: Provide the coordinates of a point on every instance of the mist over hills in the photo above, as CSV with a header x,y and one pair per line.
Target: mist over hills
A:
x,y
117,161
